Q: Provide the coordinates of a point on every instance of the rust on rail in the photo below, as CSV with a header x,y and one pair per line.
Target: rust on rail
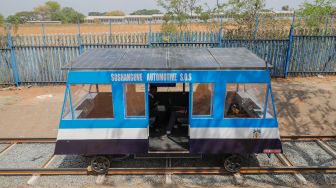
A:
x,y
177,171
27,140
308,137
45,171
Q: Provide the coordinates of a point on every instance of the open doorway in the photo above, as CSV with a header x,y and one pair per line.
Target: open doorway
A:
x,y
168,117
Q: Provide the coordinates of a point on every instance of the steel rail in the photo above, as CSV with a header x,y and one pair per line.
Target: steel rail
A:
x,y
308,138
164,171
27,140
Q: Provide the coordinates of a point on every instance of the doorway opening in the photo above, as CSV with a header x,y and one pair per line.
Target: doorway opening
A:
x,y
168,117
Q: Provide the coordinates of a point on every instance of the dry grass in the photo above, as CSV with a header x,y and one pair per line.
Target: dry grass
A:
x,y
36,29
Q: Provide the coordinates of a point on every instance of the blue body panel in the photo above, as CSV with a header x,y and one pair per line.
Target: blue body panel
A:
x,y
220,78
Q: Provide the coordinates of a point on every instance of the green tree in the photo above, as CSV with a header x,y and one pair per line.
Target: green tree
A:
x,y
204,16
48,10
192,7
43,12
146,12
166,18
25,16
245,11
168,28
210,12
115,13
53,6
13,19
177,10
182,11
315,13
2,20
68,15
285,8
97,13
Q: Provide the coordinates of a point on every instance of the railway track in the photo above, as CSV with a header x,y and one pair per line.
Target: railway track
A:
x,y
287,168
172,171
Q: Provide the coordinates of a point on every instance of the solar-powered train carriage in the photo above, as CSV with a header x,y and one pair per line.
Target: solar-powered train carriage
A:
x,y
224,98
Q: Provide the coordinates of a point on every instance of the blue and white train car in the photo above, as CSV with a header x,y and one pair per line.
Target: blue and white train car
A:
x,y
168,100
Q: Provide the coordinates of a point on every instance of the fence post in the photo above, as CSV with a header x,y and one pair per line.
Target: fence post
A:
x,y
12,60
326,27
110,31
332,25
256,27
255,43
220,32
150,34
79,39
43,34
289,47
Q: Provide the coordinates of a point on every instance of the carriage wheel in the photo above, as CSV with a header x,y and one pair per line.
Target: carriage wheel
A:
x,y
233,163
100,164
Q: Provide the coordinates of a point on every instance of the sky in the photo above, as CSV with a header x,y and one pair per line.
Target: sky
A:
x,y
8,7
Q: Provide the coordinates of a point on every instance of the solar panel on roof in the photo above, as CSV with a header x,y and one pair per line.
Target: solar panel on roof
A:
x,y
192,58
167,58
233,58
142,58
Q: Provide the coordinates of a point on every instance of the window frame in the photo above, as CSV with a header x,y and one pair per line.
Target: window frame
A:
x,y
125,101
265,102
72,107
191,91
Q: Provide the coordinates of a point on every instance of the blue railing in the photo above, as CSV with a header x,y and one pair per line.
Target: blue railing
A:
x,y
38,59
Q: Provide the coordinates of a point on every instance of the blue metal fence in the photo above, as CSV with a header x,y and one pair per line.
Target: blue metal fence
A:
x,y
312,55
6,71
38,59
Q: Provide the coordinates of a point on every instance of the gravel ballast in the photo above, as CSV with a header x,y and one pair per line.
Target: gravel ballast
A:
x,y
134,180
266,180
3,146
332,144
307,154
69,161
66,181
27,156
13,181
203,180
320,178
264,160
300,153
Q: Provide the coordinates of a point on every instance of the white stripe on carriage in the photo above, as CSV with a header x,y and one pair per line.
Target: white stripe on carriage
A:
x,y
110,133
234,133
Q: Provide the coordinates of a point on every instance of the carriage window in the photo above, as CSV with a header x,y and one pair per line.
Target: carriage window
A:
x,y
202,99
91,101
247,101
66,109
135,99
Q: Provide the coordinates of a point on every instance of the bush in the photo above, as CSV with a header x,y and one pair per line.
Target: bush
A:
x,y
168,28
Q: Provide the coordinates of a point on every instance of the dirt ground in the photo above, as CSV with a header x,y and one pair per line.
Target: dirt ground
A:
x,y
305,106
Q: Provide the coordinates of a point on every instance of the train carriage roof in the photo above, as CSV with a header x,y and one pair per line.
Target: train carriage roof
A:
x,y
168,59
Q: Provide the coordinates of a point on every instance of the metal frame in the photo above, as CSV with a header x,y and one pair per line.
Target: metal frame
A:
x,y
218,78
